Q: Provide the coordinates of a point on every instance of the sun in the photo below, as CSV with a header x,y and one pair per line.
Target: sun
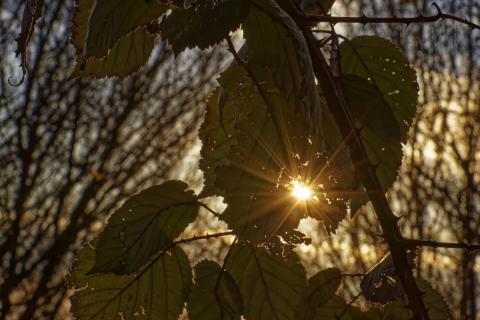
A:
x,y
300,191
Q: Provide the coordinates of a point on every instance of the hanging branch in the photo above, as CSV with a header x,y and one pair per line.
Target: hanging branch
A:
x,y
363,19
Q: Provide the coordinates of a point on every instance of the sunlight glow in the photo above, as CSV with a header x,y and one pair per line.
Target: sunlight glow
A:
x,y
300,191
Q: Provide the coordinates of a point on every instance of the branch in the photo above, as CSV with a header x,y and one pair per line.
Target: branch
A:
x,y
437,244
338,106
204,237
363,19
203,205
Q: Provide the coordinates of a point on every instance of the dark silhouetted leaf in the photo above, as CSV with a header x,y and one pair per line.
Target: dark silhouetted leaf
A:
x,y
381,284
217,134
271,287
112,20
81,14
158,291
337,308
384,65
127,56
214,297
436,306
203,24
277,45
146,224
380,132
321,288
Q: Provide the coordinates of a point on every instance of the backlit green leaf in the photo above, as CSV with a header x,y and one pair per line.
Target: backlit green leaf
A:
x,y
112,20
81,15
273,147
127,56
436,306
215,294
380,131
337,308
276,44
146,224
203,24
385,66
217,134
271,287
321,288
158,291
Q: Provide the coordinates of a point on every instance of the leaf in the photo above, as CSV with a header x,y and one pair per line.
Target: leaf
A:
x,y
81,14
339,154
381,284
217,134
273,147
321,288
336,308
276,44
434,302
126,57
112,20
146,224
396,310
158,291
206,303
380,133
203,24
436,306
271,287
377,59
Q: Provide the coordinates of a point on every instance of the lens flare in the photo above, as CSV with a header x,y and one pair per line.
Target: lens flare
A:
x,y
300,191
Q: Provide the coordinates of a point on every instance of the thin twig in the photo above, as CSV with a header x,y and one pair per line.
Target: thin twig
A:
x,y
363,19
348,306
437,244
353,274
203,205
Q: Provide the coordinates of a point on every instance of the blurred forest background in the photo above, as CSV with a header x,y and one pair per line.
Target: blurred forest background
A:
x,y
71,150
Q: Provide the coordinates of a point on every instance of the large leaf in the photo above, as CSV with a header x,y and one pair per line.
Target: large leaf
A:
x,y
112,20
380,132
215,294
337,308
127,56
217,134
436,306
271,287
203,24
276,44
273,147
146,224
321,288
158,291
384,65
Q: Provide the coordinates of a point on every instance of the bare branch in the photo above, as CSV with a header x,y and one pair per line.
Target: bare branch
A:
x,y
438,244
363,19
